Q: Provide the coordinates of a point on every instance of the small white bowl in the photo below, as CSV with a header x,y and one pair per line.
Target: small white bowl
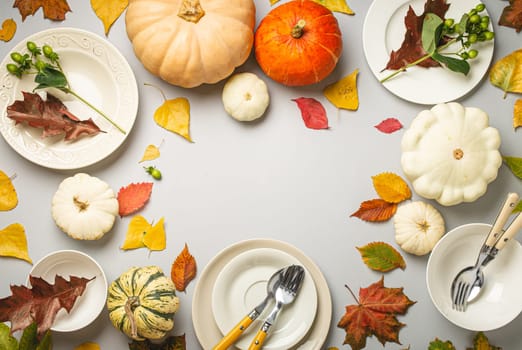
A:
x,y
499,301
74,263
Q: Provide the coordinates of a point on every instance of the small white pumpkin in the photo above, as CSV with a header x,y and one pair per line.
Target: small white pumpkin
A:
x,y
84,207
245,97
418,227
450,153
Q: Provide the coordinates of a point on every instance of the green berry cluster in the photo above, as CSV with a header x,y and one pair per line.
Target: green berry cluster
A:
x,y
23,63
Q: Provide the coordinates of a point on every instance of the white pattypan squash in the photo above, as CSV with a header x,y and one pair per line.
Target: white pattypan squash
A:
x,y
84,207
418,227
450,153
245,97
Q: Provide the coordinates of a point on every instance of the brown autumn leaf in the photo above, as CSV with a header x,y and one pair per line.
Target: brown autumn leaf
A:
x,y
52,9
517,114
375,315
512,15
183,269
376,210
8,30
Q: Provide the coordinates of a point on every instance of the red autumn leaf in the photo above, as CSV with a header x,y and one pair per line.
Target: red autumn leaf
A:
x,y
411,48
53,9
50,115
389,125
512,15
133,197
375,314
41,302
313,113
376,210
183,269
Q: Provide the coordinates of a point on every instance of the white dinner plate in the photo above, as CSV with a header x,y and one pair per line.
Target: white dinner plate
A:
x,y
499,301
88,306
99,73
241,285
206,329
383,32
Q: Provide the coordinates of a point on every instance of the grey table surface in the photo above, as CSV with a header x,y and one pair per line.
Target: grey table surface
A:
x,y
271,179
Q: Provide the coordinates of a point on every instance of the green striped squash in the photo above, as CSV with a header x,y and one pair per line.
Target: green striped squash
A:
x,y
142,303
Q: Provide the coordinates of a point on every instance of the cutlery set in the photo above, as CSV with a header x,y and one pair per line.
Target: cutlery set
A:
x,y
282,288
467,284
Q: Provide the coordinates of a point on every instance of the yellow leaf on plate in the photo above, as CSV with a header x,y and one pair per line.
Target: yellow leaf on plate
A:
x,y
336,6
506,73
174,115
109,11
8,197
141,233
517,114
88,346
13,242
391,187
151,152
343,93
8,30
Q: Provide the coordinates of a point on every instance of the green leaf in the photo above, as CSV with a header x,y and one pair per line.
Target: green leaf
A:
x,y
431,32
381,256
50,77
438,344
454,64
7,342
29,340
514,164
46,343
518,208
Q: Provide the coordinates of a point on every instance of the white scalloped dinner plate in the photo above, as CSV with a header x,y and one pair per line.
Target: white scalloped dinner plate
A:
x,y
206,329
98,72
383,31
241,285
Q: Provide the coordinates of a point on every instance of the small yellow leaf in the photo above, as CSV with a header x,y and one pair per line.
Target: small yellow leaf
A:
x,y
8,197
8,30
88,346
155,238
506,73
517,114
343,93
13,242
174,115
391,187
151,152
108,11
141,233
272,2
336,6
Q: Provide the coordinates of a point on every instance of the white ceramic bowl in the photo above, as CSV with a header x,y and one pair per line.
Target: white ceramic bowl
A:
x,y
87,306
499,301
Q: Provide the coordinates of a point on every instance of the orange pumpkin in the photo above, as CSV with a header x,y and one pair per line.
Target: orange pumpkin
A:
x,y
298,43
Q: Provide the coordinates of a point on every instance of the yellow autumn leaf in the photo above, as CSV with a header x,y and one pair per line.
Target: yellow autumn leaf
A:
x,y
272,2
336,6
88,346
151,152
109,11
343,93
8,30
517,114
13,242
391,187
174,115
155,238
141,233
506,73
8,197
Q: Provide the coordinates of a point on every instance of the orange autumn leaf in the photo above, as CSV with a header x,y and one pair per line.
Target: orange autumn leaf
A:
x,y
376,210
53,9
8,30
391,187
133,197
517,114
183,269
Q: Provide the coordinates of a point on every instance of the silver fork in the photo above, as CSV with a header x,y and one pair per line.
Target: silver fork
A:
x,y
284,295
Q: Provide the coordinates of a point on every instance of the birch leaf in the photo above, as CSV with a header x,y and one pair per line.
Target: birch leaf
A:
x,y
141,233
336,6
151,152
109,11
381,256
13,242
517,114
8,30
506,73
391,187
343,93
183,269
8,196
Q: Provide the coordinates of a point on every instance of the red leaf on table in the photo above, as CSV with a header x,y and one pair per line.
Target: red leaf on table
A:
x,y
53,9
389,125
512,15
41,302
375,314
376,210
183,269
50,115
411,48
133,197
313,113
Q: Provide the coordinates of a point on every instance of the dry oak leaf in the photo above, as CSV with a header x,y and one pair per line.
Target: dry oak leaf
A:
x,y
53,9
8,30
517,114
151,152
391,187
109,11
375,314
312,112
41,302
8,196
389,125
343,93
133,197
512,15
183,269
381,256
13,242
88,346
141,233
376,210
506,73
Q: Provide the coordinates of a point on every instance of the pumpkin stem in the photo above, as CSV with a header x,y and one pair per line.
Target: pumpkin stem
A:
x,y
423,226
131,303
191,11
458,153
82,206
298,29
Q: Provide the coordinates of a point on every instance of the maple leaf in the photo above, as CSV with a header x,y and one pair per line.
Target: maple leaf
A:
x,y
389,125
50,115
438,344
53,9
512,15
173,342
183,269
375,314
312,112
376,210
133,197
8,30
41,302
411,48
481,342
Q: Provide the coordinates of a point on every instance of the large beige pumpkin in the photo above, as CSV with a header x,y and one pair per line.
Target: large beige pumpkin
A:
x,y
191,42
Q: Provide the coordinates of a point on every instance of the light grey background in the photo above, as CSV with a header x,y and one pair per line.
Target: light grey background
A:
x,y
271,179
